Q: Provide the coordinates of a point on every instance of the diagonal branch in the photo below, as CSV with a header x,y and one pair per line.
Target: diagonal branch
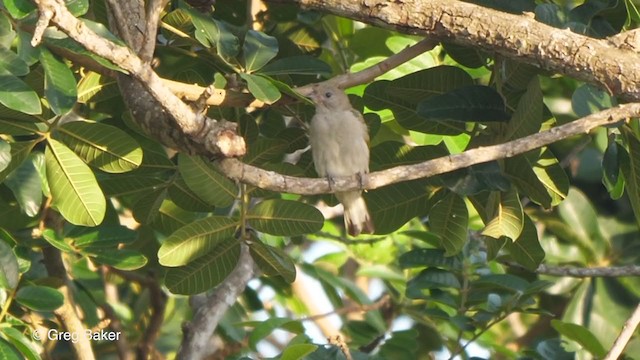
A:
x,y
218,138
273,181
625,335
197,333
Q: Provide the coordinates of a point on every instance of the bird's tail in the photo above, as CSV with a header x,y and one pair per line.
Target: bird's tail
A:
x,y
356,216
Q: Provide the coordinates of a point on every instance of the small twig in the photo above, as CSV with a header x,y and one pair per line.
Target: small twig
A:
x,y
46,14
625,335
340,343
571,271
346,241
384,301
369,74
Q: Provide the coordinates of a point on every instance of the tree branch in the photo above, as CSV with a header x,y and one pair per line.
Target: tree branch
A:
x,y
610,271
197,333
369,74
67,314
306,186
214,138
625,335
518,37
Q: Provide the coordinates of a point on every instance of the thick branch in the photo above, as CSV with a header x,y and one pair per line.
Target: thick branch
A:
x,y
215,137
197,333
273,181
67,314
518,37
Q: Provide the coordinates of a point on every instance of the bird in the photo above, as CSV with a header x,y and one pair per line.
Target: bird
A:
x,y
339,141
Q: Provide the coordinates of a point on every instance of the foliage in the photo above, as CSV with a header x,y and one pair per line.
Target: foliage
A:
x,y
77,175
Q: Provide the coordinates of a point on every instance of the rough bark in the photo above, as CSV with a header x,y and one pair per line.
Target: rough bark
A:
x,y
518,37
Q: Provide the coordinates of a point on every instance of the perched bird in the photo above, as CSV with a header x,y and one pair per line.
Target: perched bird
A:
x,y
340,147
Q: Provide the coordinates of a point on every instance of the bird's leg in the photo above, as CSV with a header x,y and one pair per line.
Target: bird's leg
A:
x,y
331,182
361,179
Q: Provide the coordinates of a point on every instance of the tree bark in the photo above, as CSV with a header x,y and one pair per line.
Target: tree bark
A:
x,y
518,37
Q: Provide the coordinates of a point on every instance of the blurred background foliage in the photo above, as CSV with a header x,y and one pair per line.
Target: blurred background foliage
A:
x,y
453,261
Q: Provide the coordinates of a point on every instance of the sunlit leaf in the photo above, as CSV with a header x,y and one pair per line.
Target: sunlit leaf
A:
x,y
509,217
74,188
206,181
103,146
196,239
206,271
284,217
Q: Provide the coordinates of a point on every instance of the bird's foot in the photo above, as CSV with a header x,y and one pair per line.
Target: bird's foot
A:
x,y
361,179
331,182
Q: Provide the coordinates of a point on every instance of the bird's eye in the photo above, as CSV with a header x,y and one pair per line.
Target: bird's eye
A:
x,y
327,95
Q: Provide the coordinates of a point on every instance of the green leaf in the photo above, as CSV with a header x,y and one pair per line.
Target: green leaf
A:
x,y
206,271
589,99
17,95
449,220
8,352
39,298
526,250
392,206
16,127
215,33
265,150
528,118
206,181
19,152
77,7
107,236
470,103
431,278
581,335
578,212
103,146
5,154
11,62
296,65
9,276
520,171
59,243
262,88
285,217
509,216
258,49
23,343
429,258
297,351
25,183
196,239
272,261
552,175
264,328
94,87
121,259
59,83
403,95
19,8
182,196
74,189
